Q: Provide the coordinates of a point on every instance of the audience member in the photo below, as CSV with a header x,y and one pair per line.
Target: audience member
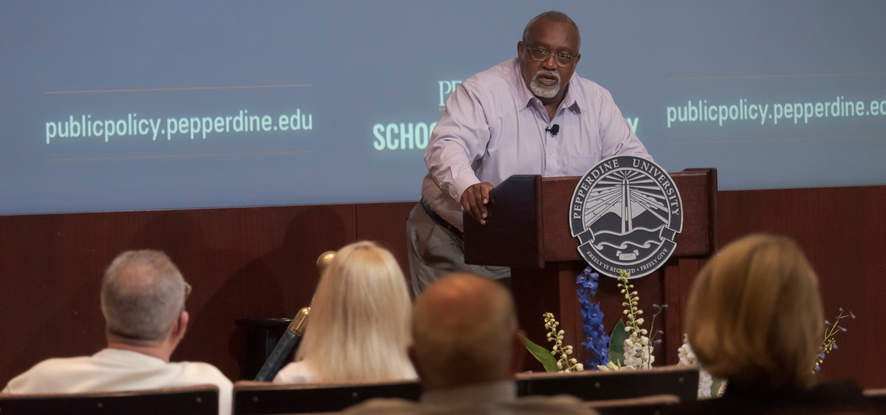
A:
x,y
358,329
754,318
143,301
466,350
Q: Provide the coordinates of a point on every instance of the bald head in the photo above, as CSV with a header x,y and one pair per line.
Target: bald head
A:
x,y
464,331
552,16
143,293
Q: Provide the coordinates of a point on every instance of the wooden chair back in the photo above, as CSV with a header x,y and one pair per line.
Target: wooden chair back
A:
x,y
256,398
189,400
606,385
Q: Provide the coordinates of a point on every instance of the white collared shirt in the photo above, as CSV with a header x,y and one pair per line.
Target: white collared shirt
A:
x,y
118,370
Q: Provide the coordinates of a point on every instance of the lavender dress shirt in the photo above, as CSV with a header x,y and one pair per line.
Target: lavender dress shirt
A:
x,y
494,127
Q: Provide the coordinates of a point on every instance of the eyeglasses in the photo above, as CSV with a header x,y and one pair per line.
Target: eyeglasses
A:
x,y
540,54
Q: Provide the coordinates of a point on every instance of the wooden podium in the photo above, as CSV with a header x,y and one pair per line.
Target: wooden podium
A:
x,y
528,230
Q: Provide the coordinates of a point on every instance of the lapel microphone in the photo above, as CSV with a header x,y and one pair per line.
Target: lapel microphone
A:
x,y
554,129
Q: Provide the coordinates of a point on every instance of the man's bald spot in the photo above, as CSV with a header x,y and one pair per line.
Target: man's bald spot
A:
x,y
455,302
142,294
464,328
551,17
137,278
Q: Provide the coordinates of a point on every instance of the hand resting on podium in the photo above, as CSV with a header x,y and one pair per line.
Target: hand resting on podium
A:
x,y
474,200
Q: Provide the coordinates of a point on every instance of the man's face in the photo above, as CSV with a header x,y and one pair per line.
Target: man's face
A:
x,y
548,78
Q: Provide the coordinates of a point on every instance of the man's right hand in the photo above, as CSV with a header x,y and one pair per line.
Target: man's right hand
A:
x,y
474,200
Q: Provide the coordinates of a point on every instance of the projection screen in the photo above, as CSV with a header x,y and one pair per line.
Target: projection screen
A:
x,y
123,105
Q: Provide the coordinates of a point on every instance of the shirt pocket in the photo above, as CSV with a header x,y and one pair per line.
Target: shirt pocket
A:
x,y
581,152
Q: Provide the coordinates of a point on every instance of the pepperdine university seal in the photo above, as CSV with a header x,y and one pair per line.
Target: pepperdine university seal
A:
x,y
625,212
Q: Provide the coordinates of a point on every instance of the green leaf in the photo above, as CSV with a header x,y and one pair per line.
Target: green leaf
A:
x,y
541,354
715,387
617,343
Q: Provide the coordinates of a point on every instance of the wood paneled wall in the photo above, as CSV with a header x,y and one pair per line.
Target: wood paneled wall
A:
x,y
843,232
242,263
259,262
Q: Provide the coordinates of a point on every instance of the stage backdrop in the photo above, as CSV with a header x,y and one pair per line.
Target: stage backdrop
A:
x,y
112,106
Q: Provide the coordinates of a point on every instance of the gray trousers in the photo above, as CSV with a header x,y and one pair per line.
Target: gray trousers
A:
x,y
435,251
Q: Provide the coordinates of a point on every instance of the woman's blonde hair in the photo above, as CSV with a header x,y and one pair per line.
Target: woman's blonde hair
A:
x,y
755,315
358,329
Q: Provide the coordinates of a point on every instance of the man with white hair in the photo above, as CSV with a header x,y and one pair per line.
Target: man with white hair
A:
x,y
466,349
527,115
143,301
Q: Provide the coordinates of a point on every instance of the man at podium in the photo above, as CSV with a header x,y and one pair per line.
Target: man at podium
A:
x,y
527,115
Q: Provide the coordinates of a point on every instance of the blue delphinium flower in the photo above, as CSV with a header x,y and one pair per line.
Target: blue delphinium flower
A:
x,y
596,340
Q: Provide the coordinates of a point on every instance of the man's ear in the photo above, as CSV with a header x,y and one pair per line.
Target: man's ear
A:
x,y
518,351
519,48
181,325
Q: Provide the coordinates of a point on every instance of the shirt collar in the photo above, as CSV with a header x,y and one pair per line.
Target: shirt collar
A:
x,y
501,391
570,100
121,355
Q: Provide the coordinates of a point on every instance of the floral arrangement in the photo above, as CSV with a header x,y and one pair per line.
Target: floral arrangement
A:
x,y
639,348
557,359
630,346
596,340
829,343
707,385
561,352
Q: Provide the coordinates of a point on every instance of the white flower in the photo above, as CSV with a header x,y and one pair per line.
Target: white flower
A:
x,y
637,355
611,366
705,380
686,355
704,383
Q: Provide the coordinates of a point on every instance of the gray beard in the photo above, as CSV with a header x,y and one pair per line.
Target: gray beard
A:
x,y
543,91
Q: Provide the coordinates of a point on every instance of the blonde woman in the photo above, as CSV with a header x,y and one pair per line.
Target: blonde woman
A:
x,y
358,329
754,317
